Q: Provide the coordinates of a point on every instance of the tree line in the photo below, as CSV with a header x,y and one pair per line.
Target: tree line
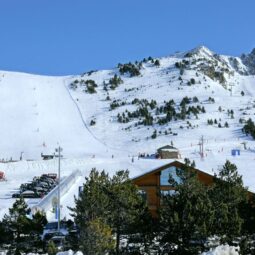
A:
x,y
113,217
169,110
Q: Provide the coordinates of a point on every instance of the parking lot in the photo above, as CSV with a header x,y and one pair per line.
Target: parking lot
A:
x,y
38,187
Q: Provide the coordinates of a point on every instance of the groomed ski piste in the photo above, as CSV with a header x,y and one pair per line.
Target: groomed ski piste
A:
x,y
40,113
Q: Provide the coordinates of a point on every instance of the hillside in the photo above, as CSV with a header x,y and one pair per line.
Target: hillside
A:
x,y
175,100
38,112
104,118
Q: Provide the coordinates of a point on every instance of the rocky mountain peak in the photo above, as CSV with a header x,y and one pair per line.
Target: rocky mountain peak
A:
x,y
249,61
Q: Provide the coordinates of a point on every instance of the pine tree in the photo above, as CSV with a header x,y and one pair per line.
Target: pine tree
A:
x,y
247,212
38,222
157,63
192,81
227,194
115,201
92,204
18,224
249,128
5,234
186,214
126,205
154,135
51,249
115,81
99,240
92,201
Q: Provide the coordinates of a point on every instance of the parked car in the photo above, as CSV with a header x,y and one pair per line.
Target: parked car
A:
x,y
40,184
51,229
48,180
30,194
26,186
45,183
50,175
41,191
16,195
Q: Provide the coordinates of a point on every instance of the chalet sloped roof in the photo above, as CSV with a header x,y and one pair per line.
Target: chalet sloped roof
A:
x,y
179,164
152,170
168,148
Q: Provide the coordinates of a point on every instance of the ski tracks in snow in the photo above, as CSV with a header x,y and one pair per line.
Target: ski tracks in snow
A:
x,y
85,124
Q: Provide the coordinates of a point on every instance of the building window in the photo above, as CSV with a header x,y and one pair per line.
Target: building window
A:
x,y
164,177
164,193
143,194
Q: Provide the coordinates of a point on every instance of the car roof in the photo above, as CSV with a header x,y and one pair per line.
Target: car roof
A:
x,y
28,192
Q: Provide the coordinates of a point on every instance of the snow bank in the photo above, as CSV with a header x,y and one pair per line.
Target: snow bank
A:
x,y
223,250
70,252
5,253
220,250
34,254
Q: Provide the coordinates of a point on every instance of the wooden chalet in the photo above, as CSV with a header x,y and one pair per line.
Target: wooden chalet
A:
x,y
154,184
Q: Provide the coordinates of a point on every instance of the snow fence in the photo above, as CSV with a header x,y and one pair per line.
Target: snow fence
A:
x,y
66,183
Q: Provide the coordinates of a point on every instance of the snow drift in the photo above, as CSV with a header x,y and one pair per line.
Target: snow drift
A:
x,y
223,250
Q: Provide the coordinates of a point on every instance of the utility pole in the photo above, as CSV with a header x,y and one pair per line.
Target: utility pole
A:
x,y
59,150
21,155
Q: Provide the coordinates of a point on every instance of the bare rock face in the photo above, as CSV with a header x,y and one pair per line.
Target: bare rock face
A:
x,y
249,61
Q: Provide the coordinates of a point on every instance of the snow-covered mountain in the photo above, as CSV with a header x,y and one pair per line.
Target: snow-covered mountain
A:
x,y
39,112
249,61
105,118
149,96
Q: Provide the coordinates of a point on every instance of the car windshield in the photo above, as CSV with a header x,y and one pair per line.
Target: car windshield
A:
x,y
51,225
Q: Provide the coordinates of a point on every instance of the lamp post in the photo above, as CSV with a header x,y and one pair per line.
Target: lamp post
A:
x,y
59,150
21,155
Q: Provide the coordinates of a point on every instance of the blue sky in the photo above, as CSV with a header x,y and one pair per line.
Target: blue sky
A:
x,y
59,37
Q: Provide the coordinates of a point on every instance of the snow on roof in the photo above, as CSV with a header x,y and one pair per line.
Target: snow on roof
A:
x,y
204,165
28,192
168,148
159,163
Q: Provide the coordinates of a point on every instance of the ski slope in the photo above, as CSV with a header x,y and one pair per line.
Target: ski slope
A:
x,y
37,114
